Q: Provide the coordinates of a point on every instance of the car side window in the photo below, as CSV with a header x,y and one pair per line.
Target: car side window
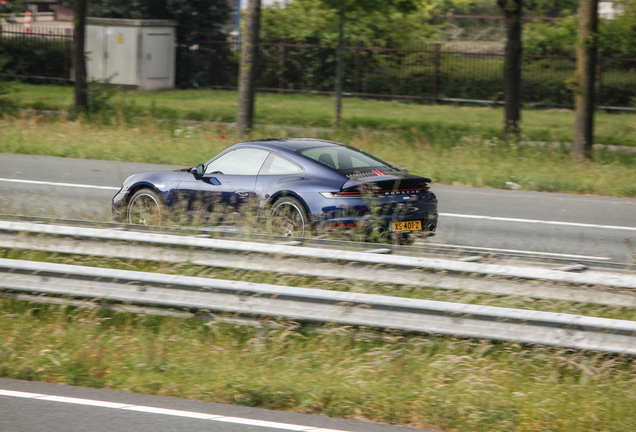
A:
x,y
243,161
278,165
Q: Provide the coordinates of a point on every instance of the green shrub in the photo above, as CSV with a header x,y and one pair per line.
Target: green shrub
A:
x,y
35,56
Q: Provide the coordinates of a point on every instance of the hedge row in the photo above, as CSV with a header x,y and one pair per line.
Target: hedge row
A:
x,y
311,68
32,56
466,76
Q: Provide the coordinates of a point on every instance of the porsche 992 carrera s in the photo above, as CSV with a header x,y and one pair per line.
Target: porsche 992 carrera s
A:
x,y
306,185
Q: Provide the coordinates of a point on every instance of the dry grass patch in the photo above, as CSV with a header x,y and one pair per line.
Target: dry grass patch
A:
x,y
429,382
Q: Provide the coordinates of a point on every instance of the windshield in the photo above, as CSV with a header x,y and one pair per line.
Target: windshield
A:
x,y
346,160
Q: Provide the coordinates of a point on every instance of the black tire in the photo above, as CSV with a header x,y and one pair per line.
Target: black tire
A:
x,y
145,208
290,219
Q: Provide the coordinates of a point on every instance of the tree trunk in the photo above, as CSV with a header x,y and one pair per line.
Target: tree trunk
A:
x,y
512,10
586,53
247,72
79,57
339,71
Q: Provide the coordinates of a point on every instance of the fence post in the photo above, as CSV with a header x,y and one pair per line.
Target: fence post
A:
x,y
436,63
358,67
283,62
601,71
68,46
211,56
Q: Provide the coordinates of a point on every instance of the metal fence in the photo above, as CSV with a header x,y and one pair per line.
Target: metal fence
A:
x,y
39,54
432,72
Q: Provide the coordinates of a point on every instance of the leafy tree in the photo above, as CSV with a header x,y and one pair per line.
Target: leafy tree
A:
x,y
538,8
617,37
9,7
307,21
198,19
549,38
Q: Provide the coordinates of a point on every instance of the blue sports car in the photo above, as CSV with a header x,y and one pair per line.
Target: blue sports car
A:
x,y
304,185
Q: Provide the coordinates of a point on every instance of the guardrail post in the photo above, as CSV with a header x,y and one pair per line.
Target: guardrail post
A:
x,y
283,62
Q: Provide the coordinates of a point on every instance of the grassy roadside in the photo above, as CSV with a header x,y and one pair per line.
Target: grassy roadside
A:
x,y
434,382
551,125
440,383
448,155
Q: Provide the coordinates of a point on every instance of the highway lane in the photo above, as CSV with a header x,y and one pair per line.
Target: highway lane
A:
x,y
594,226
35,407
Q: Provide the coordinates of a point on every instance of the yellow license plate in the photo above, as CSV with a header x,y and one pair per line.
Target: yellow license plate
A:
x,y
406,226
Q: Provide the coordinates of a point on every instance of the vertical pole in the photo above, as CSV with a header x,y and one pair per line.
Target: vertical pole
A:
x,y
601,72
436,63
358,77
586,53
339,72
247,69
283,61
512,66
237,47
211,56
79,56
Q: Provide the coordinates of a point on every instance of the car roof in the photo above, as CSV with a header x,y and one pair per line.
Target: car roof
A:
x,y
293,144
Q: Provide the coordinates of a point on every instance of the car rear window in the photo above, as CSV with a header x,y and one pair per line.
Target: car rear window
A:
x,y
345,160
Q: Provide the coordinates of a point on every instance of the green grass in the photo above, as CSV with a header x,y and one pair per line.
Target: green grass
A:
x,y
432,382
447,121
449,155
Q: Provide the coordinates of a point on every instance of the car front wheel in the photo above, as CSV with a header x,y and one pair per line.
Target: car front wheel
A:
x,y
145,208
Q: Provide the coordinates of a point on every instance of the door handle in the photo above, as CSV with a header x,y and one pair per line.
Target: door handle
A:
x,y
242,194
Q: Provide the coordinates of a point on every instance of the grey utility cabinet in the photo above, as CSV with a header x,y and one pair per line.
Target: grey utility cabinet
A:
x,y
138,53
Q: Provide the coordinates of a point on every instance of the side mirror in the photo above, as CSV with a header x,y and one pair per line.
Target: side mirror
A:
x,y
199,170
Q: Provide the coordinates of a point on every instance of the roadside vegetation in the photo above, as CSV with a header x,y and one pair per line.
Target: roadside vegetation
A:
x,y
436,383
433,382
455,145
444,123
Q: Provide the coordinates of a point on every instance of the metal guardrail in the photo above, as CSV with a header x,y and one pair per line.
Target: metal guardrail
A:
x,y
419,248
617,280
319,306
374,273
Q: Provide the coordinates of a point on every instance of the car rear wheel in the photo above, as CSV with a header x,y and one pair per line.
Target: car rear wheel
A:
x,y
289,218
145,208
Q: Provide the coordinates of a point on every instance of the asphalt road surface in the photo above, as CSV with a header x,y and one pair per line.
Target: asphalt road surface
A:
x,y
41,407
578,225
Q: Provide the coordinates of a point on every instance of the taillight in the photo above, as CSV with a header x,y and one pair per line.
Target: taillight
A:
x,y
381,192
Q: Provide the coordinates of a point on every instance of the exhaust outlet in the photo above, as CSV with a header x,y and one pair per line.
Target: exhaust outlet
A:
x,y
379,230
431,227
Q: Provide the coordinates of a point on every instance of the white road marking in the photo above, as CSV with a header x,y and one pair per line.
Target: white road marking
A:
x,y
493,218
502,219
514,251
165,411
59,184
